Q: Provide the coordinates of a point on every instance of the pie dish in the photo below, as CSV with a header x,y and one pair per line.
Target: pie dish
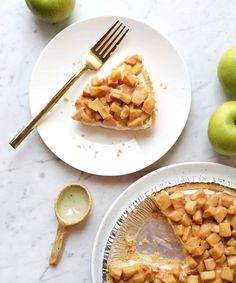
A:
x,y
202,217
122,100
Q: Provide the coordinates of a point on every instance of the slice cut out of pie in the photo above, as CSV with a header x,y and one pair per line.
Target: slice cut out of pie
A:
x,y
122,100
203,218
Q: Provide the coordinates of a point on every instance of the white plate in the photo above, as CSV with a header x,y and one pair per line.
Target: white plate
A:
x,y
97,150
159,179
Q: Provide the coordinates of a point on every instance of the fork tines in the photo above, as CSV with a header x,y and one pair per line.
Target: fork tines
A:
x,y
110,40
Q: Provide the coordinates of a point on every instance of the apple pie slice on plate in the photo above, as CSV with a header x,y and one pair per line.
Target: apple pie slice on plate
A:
x,y
122,100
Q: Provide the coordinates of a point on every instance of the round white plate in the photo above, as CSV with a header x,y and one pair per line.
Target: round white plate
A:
x,y
159,179
103,151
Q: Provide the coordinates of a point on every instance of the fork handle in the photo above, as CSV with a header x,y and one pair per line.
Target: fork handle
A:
x,y
35,121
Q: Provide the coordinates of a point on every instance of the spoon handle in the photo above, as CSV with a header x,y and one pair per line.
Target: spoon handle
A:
x,y
58,245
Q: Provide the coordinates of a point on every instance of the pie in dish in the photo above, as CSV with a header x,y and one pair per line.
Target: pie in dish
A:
x,y
122,100
203,218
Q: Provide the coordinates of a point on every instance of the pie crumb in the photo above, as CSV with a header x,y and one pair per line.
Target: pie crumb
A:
x,y
66,98
156,256
163,86
119,152
167,239
145,241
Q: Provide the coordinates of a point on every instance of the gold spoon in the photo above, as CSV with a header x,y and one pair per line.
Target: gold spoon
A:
x,y
71,207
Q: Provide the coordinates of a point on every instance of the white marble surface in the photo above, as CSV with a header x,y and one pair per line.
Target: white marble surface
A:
x,y
31,177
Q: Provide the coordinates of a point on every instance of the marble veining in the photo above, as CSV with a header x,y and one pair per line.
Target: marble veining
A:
x,y
31,177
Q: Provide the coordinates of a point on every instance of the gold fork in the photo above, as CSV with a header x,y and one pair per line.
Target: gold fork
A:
x,y
92,60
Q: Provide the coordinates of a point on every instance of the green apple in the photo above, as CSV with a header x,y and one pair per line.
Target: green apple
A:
x,y
51,11
222,129
227,71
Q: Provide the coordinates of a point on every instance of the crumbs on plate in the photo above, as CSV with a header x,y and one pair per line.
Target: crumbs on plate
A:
x,y
66,97
119,152
163,86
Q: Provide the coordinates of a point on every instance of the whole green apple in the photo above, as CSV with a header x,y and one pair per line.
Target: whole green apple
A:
x,y
227,71
51,11
222,129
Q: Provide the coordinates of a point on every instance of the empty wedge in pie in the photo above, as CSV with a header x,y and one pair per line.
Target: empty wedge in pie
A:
x,y
122,100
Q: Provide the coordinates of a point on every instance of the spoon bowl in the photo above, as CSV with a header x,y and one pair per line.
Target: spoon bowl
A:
x,y
72,204
71,207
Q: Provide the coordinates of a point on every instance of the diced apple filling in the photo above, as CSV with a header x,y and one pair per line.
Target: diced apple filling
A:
x,y
220,213
115,107
129,271
104,112
125,97
134,113
205,230
148,105
139,95
232,209
124,112
231,260
115,75
227,200
193,279
210,263
217,250
233,222
95,104
137,68
178,199
213,239
129,79
207,276
98,90
227,274
225,230
163,200
209,212
212,201
230,250
198,194
136,123
115,271
175,216
191,207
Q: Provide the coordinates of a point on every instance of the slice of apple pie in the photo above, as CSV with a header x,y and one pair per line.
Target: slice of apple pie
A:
x,y
122,100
